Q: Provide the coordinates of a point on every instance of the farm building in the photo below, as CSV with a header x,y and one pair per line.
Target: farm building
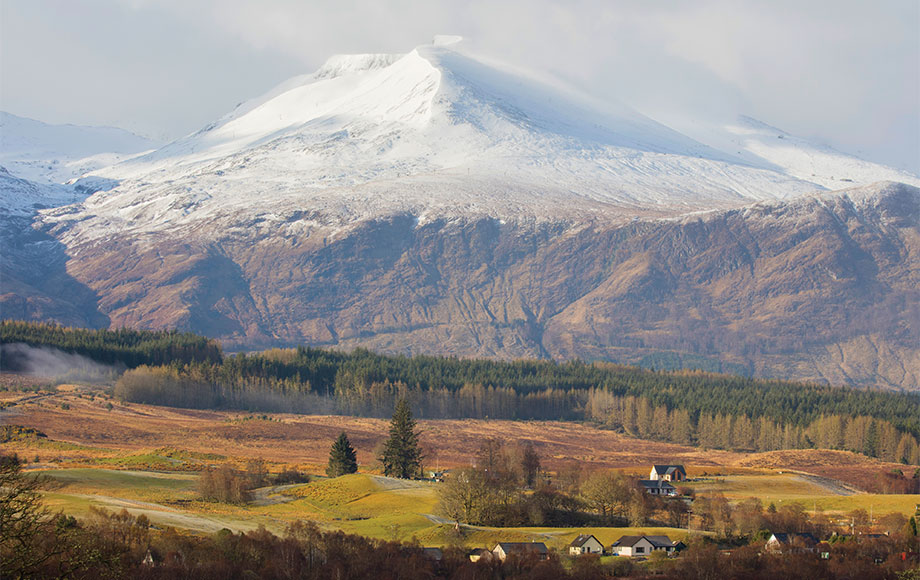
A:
x,y
668,473
585,544
520,549
642,545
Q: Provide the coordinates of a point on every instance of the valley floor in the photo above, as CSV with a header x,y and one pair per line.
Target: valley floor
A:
x,y
144,459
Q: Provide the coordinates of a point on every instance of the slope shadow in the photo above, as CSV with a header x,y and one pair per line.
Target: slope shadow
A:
x,y
34,283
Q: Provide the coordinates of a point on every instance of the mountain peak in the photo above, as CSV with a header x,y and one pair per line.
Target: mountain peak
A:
x,y
439,131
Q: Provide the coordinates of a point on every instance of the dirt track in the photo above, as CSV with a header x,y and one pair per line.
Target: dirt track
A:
x,y
832,485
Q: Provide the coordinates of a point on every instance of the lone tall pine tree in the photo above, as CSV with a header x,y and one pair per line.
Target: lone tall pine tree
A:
x,y
401,454
342,457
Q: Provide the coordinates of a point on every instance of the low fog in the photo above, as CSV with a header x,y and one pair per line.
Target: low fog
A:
x,y
56,364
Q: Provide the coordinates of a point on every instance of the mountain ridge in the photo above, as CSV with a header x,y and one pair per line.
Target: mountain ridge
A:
x,y
431,202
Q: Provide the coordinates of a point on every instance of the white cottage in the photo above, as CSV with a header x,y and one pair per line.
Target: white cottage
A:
x,y
668,473
642,545
791,543
658,487
585,544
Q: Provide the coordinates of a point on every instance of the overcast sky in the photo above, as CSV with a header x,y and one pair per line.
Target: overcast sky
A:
x,y
845,72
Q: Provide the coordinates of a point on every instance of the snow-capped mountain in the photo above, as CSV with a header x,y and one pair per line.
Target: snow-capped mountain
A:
x,y
439,132
438,202
45,153
435,132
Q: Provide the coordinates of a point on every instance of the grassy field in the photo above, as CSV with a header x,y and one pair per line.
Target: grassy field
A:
x,y
384,508
85,431
363,504
145,459
772,487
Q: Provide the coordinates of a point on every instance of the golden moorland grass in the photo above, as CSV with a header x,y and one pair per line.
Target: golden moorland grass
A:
x,y
113,455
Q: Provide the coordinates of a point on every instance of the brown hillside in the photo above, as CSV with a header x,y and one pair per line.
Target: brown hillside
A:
x,y
824,289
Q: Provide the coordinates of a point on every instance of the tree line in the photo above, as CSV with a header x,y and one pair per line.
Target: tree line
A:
x,y
637,416
126,347
688,407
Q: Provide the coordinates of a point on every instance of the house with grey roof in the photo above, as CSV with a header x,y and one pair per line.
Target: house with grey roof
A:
x,y
658,487
642,545
585,544
668,473
520,549
788,543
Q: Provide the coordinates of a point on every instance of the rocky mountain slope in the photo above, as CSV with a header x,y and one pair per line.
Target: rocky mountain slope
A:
x,y
434,202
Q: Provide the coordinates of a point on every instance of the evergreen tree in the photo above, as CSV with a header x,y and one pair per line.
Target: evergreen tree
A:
x,y
401,454
342,457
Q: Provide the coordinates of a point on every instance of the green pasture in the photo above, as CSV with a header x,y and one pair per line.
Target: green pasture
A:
x,y
390,509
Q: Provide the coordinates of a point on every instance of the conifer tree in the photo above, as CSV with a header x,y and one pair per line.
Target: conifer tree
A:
x,y
342,457
401,455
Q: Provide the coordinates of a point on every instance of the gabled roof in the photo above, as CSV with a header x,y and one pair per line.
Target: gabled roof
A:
x,y
519,547
627,541
657,541
655,483
660,541
666,469
581,540
789,538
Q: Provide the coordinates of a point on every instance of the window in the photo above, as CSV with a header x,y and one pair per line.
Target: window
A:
x,y
640,550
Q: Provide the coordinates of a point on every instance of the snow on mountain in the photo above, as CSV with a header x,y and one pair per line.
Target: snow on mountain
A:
x,y
765,146
435,132
441,132
46,153
22,198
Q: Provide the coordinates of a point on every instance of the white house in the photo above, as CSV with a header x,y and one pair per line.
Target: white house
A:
x,y
585,544
668,473
658,487
642,545
791,543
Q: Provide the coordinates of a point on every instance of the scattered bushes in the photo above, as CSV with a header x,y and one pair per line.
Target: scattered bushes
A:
x,y
225,484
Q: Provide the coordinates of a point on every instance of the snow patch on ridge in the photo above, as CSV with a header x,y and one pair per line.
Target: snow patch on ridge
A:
x,y
343,64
